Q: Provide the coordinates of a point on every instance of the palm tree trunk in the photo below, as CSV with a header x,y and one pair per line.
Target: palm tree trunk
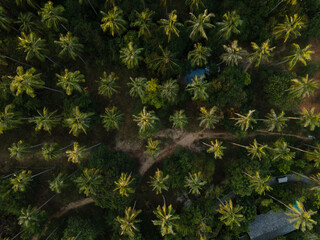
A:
x,y
66,147
77,235
82,60
310,146
293,118
247,67
52,233
12,59
301,175
52,89
17,234
275,7
38,145
87,149
11,174
42,172
72,173
47,201
144,4
92,7
298,149
239,145
279,201
220,201
247,174
52,61
276,64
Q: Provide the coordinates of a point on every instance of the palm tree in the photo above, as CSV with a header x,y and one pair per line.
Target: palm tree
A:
x,y
164,63
315,156
89,181
198,56
143,22
310,118
145,120
28,218
25,81
230,23
69,46
111,118
169,90
171,24
70,81
27,23
233,54
49,151
282,151
194,4
290,28
29,2
130,56
230,215
158,182
300,217
195,183
78,121
198,87
303,87
21,181
216,148
259,184
208,118
199,24
152,147
8,119
46,120
256,150
18,149
107,84
245,121
33,46
166,219
127,223
316,180
261,53
292,2
76,154
57,183
301,55
178,119
274,121
94,10
4,20
113,21
123,185
138,87
51,16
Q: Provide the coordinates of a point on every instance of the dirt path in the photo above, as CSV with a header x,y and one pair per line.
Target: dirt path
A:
x,y
72,206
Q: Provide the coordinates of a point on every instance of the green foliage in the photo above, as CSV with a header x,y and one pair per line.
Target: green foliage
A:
x,y
152,94
88,229
51,16
113,21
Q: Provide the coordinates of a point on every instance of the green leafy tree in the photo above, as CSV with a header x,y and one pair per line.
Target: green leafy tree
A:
x,y
158,182
199,24
198,87
70,81
5,21
122,185
130,56
29,219
290,28
178,119
310,118
113,21
107,84
8,119
194,4
46,120
274,121
21,181
58,183
145,120
49,151
111,118
18,149
233,54
171,24
78,121
143,22
52,16
303,87
29,2
169,90
32,45
76,154
230,215
165,62
216,148
165,219
259,184
27,23
230,23
245,121
127,223
194,182
138,87
261,53
152,147
298,54
69,46
89,181
282,151
198,56
208,118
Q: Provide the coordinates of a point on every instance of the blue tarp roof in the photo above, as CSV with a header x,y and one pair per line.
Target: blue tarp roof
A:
x,y
199,72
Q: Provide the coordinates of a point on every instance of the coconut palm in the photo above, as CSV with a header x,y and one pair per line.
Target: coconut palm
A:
x,y
25,81
143,22
315,179
138,87
194,4
8,118
69,46
46,120
233,54
166,219
113,21
130,56
245,121
261,53
111,118
78,121
123,185
28,218
208,118
57,183
5,21
290,28
145,120
165,62
26,22
300,217
292,2
152,147
18,149
29,2
70,81
303,87
198,56
256,150
169,90
21,181
198,87
158,182
199,24
274,121
127,223
298,54
230,215
230,23
76,154
216,148
171,24
259,184
52,16
310,118
107,84
195,183
49,151
315,156
282,151
178,119
89,181
32,45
